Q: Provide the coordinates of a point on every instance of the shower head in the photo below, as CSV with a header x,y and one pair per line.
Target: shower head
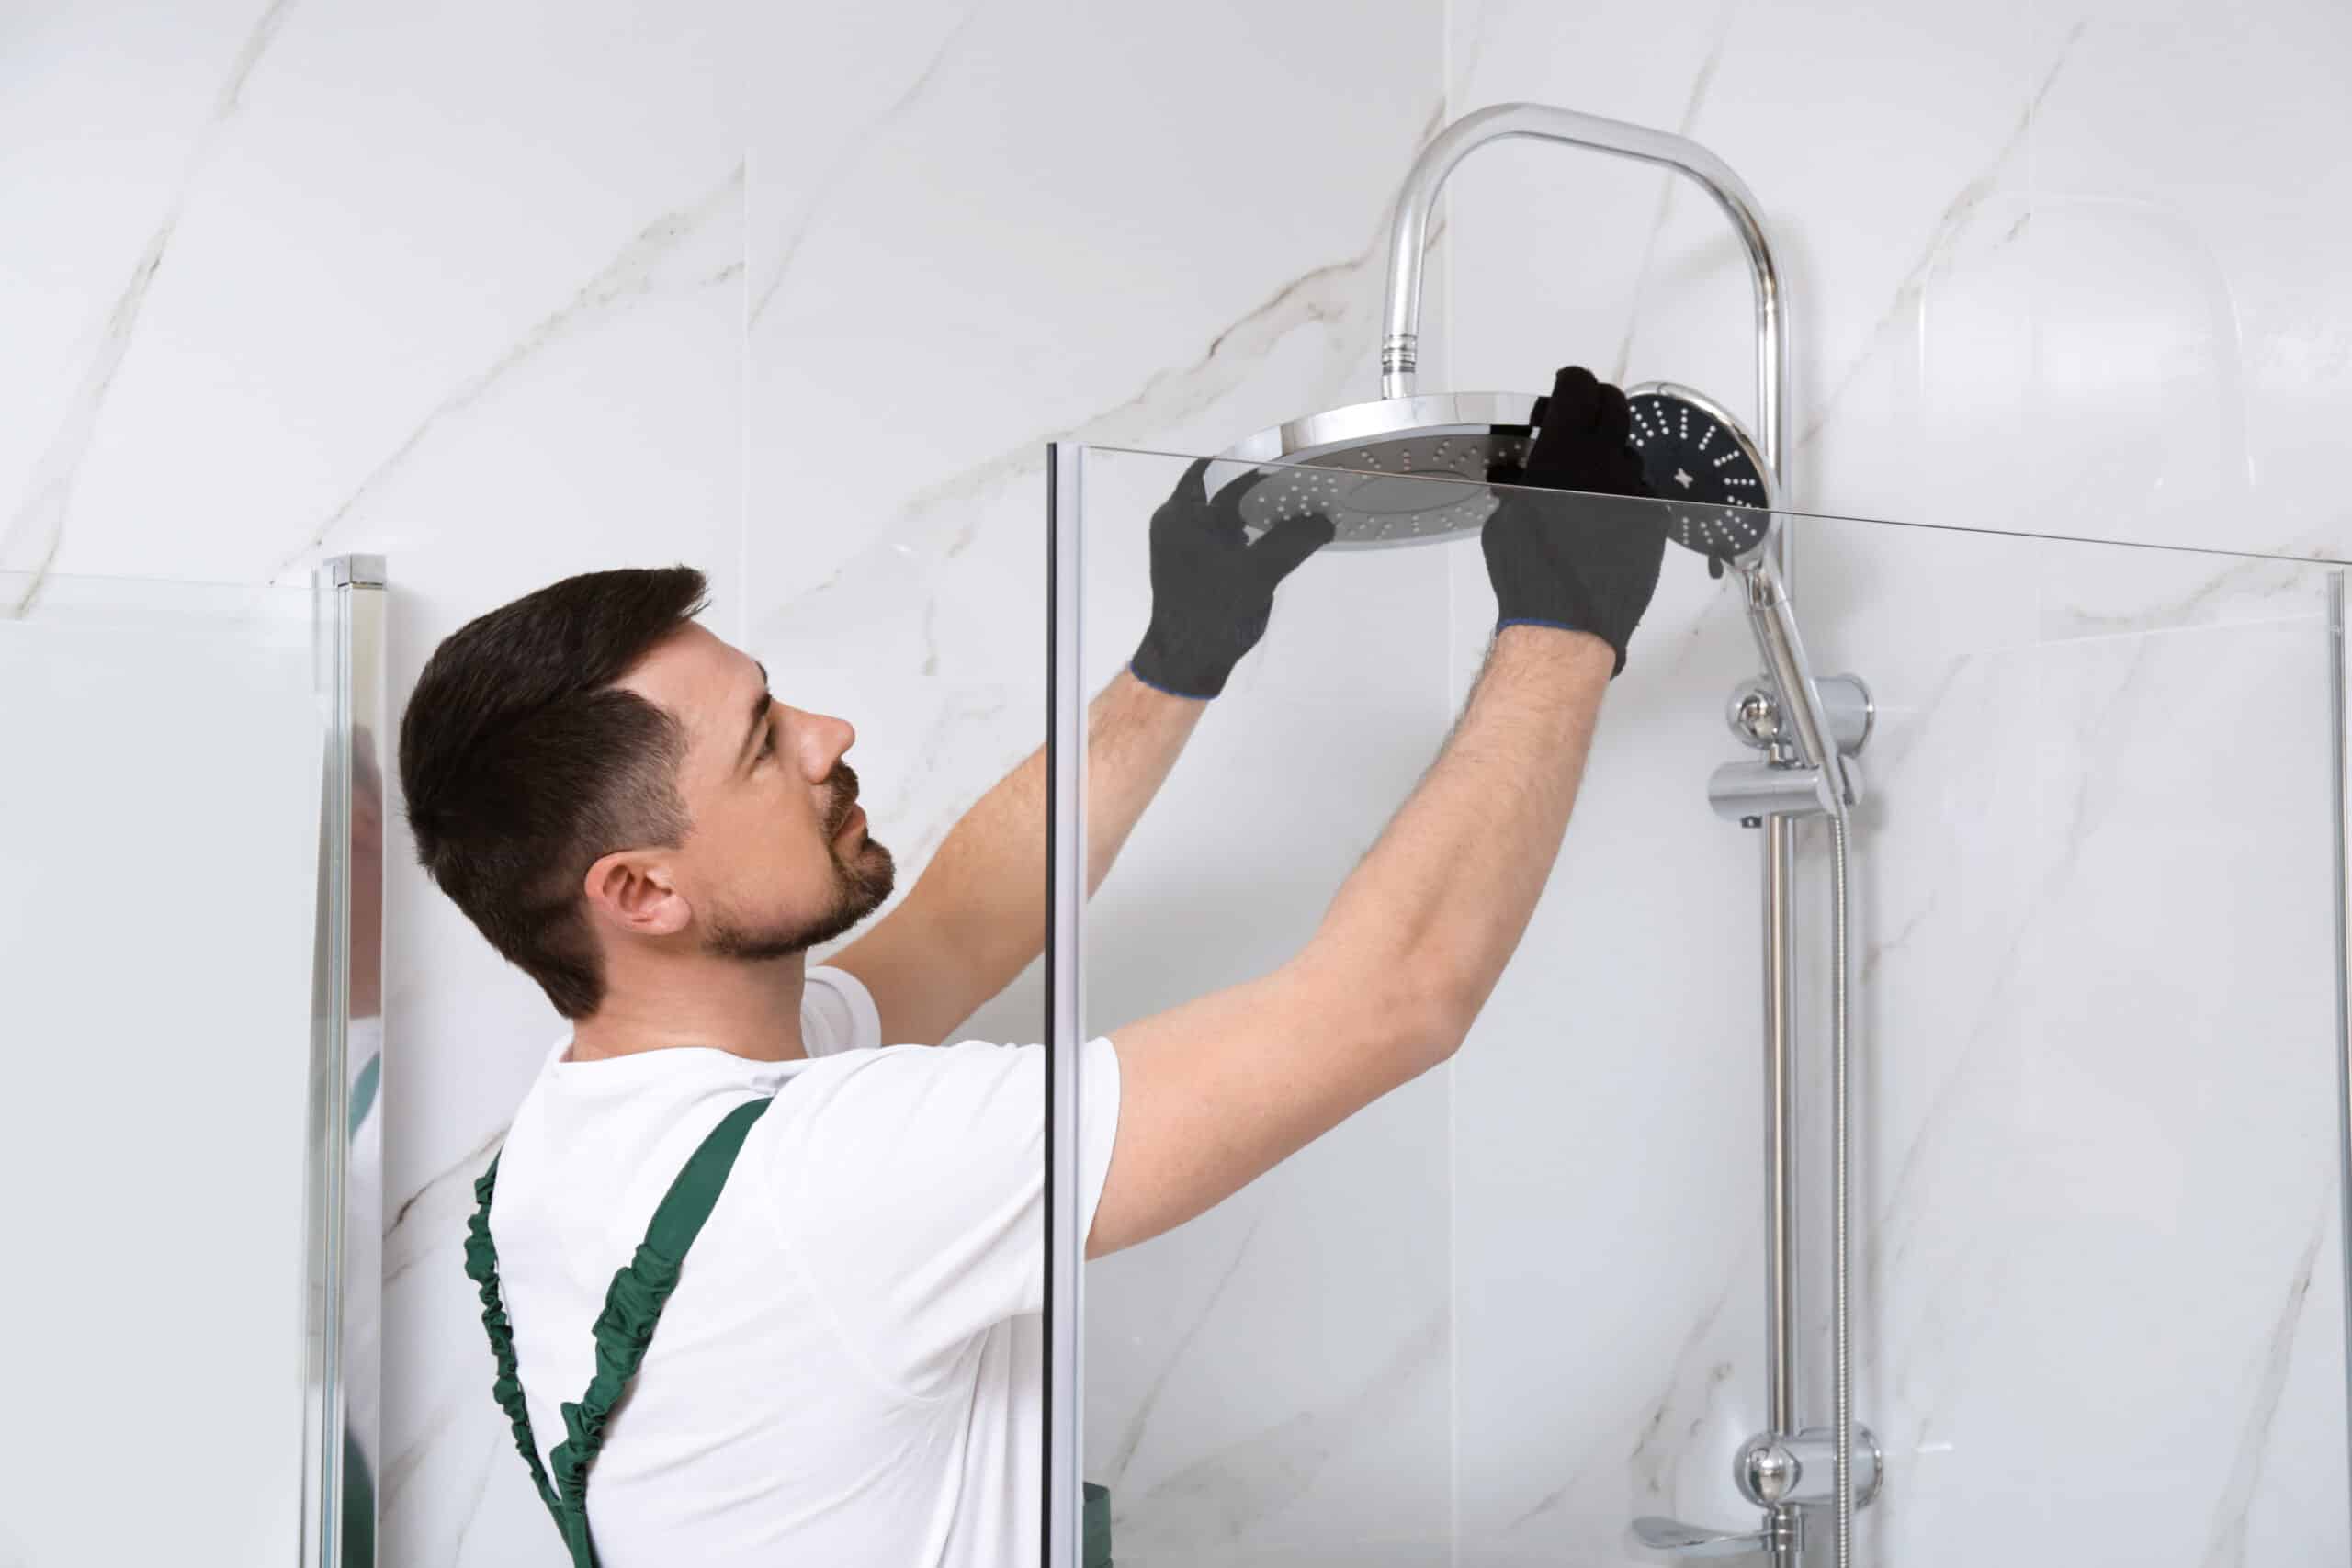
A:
x,y
1695,454
1359,465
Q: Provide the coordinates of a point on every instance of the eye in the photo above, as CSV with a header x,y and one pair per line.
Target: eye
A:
x,y
767,746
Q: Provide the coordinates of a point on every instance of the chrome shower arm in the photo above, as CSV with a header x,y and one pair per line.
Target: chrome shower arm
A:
x,y
1408,236
1767,567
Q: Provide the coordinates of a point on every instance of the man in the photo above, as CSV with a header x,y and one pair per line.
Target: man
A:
x,y
847,1372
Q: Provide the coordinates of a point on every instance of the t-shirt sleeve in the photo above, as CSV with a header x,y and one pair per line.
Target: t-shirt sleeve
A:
x,y
836,1013
912,1187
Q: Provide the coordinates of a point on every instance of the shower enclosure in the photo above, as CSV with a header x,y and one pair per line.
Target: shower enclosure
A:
x,y
2098,1092
191,823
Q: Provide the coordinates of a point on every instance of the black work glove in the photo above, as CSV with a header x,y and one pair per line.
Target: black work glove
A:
x,y
1576,561
1210,589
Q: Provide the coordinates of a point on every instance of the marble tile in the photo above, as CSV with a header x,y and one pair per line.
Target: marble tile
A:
x,y
2099,1181
2019,300
2189,323
799,298
410,284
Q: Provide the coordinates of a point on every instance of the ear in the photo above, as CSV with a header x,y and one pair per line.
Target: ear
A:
x,y
633,891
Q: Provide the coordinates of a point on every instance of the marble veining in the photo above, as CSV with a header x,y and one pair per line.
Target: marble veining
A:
x,y
1239,1491
1132,1430
1895,320
1654,1445
635,270
2027,700
2227,1547
400,1253
30,541
1669,183
940,521
812,210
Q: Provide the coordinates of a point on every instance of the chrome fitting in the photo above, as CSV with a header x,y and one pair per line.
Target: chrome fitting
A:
x,y
1803,1468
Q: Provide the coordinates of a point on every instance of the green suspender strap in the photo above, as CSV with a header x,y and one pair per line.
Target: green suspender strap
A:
x,y
632,1306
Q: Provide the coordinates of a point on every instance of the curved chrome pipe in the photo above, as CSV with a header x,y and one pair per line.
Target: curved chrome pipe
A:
x,y
1409,235
1766,566
1774,619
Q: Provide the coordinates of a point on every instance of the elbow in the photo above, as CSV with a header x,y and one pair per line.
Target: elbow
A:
x,y
1409,1017
1453,1024
1433,1020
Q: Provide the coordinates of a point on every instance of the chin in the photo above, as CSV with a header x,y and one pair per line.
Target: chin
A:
x,y
868,874
863,880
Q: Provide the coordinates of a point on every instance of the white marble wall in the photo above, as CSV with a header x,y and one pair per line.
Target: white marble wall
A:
x,y
2053,268
798,294
794,294
463,285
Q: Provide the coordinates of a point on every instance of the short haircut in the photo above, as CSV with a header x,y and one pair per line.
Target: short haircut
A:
x,y
523,764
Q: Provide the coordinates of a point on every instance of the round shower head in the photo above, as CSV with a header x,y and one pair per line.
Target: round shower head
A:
x,y
1694,453
1359,466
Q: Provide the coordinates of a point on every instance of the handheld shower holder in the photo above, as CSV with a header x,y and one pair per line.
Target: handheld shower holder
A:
x,y
1780,783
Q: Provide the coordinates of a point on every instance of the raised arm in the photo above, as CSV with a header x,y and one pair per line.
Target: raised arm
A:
x,y
1217,1091
977,916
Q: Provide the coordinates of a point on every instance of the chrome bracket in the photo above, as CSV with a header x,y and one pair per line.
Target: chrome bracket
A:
x,y
1784,1475
1802,1469
1780,783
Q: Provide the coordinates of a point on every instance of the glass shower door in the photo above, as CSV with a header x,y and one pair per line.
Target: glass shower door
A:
x,y
2096,1304
160,843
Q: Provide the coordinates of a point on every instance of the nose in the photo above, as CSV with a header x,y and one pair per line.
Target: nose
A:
x,y
833,737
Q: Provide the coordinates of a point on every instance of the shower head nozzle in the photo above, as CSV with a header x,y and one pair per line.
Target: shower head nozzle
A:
x,y
1368,468
1698,460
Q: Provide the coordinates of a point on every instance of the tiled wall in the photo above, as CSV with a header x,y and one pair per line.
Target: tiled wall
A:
x,y
797,295
459,284
789,293
2067,269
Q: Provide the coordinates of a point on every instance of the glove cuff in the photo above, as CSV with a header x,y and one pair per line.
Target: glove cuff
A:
x,y
1615,647
1163,669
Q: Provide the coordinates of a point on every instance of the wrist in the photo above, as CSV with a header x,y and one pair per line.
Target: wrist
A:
x,y
1159,691
1556,640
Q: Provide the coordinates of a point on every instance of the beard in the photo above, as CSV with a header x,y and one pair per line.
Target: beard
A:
x,y
861,881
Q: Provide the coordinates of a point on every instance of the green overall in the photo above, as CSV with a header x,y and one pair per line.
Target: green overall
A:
x,y
632,1306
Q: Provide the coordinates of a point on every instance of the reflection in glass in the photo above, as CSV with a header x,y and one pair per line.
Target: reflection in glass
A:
x,y
2097,1167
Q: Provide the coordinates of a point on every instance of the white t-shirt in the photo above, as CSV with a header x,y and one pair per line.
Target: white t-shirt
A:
x,y
850,1370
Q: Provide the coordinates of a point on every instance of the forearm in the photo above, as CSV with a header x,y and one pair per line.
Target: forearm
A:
x,y
988,876
1447,890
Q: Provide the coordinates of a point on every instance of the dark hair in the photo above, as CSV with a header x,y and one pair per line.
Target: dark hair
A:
x,y
523,764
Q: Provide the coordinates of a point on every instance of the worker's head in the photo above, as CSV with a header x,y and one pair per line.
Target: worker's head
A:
x,y
590,772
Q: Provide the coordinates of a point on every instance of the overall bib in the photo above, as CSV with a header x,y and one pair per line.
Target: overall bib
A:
x,y
632,1307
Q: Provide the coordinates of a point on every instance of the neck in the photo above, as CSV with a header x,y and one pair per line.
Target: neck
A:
x,y
659,1002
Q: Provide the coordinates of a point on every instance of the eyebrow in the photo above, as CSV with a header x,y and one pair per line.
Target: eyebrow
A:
x,y
758,715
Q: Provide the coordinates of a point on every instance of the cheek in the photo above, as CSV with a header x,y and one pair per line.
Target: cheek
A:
x,y
776,831
755,836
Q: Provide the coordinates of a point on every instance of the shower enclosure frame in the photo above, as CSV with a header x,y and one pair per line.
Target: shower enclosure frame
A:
x,y
341,1168
2339,760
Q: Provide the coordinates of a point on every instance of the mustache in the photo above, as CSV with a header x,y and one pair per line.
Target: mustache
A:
x,y
844,782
